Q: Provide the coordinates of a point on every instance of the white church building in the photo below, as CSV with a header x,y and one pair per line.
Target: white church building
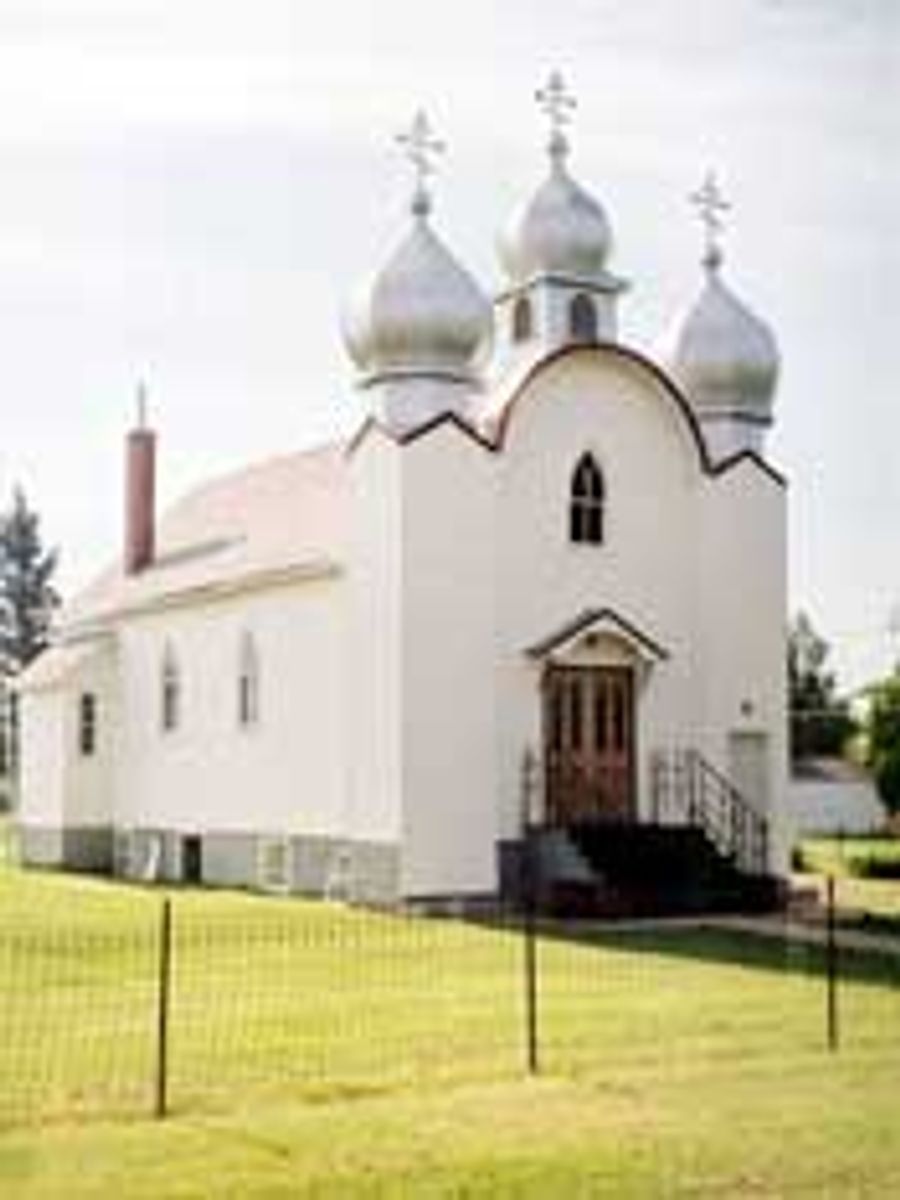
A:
x,y
323,673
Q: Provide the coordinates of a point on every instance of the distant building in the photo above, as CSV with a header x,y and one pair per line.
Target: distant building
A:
x,y
831,795
321,673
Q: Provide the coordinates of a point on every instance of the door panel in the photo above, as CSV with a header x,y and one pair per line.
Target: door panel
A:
x,y
589,743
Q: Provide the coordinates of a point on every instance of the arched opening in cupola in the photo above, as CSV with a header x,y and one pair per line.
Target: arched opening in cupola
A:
x,y
582,319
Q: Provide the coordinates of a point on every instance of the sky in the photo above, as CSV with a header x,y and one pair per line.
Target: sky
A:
x,y
190,189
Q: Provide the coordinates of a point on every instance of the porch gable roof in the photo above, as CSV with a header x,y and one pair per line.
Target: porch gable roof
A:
x,y
599,620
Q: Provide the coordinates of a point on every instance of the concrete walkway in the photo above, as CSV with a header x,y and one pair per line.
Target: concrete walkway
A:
x,y
799,931
778,927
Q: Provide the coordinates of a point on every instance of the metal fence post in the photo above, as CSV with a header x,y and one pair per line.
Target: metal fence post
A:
x,y
530,927
530,881
831,969
161,1106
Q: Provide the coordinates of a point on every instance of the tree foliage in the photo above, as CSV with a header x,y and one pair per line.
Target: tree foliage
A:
x,y
883,736
27,595
820,722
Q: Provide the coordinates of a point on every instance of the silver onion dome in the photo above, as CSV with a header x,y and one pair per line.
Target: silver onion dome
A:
x,y
724,357
421,313
561,229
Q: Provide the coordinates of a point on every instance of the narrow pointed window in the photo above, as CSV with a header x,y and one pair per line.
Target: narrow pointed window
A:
x,y
586,502
522,323
170,698
248,683
583,319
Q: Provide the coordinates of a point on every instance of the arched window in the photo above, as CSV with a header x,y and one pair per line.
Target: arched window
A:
x,y
583,319
170,708
586,502
248,682
522,324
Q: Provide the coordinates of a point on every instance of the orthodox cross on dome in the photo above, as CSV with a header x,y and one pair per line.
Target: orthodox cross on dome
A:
x,y
557,104
710,205
421,147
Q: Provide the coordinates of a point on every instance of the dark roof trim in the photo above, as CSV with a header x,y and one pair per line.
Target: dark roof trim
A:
x,y
371,424
751,456
627,354
589,617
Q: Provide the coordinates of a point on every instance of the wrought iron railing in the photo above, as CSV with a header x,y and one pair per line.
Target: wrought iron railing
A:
x,y
688,790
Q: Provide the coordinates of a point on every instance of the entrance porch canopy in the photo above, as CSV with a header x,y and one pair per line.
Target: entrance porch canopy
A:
x,y
593,625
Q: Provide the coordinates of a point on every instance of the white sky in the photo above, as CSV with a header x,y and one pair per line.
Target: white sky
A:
x,y
190,188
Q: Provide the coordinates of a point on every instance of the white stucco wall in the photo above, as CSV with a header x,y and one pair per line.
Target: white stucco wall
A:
x,y
282,774
42,757
372,663
59,784
449,783
89,779
742,627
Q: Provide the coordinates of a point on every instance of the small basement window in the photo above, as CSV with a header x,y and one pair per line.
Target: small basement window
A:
x,y
273,864
87,724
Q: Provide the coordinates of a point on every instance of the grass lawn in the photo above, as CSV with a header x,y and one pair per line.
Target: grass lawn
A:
x,y
867,903
325,1052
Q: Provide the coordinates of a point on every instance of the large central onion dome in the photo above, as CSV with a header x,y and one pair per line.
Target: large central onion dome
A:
x,y
723,356
419,313
560,230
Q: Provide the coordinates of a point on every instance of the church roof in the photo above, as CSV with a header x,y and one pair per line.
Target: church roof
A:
x,y
282,517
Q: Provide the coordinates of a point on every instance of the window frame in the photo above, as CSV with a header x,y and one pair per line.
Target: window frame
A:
x,y
587,502
248,683
87,724
171,691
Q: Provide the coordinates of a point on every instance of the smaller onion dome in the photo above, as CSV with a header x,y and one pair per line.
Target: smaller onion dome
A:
x,y
723,356
421,313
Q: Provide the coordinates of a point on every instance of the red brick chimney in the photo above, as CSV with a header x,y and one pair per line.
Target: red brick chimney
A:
x,y
140,491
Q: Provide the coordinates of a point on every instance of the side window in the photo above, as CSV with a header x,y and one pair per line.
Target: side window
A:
x,y
587,500
87,724
583,319
522,323
248,683
170,697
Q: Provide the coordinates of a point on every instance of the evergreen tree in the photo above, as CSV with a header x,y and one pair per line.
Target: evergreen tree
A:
x,y
883,735
27,595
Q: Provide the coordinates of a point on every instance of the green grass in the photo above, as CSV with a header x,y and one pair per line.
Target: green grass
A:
x,y
870,904
850,856
327,1052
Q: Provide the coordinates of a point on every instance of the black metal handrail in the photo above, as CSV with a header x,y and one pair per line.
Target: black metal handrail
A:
x,y
688,788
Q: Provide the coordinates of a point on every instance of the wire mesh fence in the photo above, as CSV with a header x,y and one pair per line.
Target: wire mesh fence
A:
x,y
104,1010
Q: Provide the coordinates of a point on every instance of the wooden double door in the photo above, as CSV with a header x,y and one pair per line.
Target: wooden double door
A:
x,y
589,744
